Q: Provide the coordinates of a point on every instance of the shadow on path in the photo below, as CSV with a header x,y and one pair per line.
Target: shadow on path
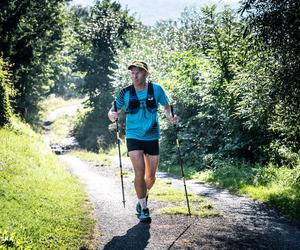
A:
x,y
182,233
135,238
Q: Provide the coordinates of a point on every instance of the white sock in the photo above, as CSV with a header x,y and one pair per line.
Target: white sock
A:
x,y
143,203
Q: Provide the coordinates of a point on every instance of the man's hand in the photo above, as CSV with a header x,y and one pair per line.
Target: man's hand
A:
x,y
172,119
112,115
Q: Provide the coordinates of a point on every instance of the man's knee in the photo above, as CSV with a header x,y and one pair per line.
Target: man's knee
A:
x,y
150,178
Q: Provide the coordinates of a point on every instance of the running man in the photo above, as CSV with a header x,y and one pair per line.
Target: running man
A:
x,y
140,102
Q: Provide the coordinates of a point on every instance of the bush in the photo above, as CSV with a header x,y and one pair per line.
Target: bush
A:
x,y
92,132
5,91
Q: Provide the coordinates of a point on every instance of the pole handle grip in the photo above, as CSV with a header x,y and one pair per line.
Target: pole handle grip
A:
x,y
172,110
115,106
116,110
172,113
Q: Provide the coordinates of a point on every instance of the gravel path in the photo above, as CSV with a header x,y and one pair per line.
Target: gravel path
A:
x,y
244,224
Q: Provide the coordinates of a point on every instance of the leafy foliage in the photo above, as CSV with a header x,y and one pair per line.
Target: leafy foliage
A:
x,y
224,84
206,102
5,93
105,32
65,78
276,23
30,32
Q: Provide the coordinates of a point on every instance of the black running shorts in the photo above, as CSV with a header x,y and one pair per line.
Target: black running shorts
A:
x,y
149,147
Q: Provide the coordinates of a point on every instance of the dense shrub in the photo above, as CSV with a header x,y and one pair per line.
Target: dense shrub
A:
x,y
5,91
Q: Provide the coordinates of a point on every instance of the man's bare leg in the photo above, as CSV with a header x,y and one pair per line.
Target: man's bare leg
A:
x,y
138,162
151,164
137,159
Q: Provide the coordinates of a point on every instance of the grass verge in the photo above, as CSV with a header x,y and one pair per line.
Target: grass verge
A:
x,y
42,206
199,206
276,186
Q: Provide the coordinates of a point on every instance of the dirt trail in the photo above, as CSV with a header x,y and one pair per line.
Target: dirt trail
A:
x,y
244,224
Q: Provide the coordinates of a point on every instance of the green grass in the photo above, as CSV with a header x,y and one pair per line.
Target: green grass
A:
x,y
199,206
42,206
196,210
277,186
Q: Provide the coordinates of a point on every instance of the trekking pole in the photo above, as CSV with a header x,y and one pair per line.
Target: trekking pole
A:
x,y
181,165
120,160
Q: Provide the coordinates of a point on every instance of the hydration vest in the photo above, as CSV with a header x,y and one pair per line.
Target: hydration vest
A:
x,y
134,103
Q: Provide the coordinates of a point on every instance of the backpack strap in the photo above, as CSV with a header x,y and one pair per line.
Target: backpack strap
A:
x,y
151,102
150,89
124,90
134,103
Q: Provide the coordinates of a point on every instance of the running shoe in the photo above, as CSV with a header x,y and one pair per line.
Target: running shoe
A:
x,y
138,207
145,216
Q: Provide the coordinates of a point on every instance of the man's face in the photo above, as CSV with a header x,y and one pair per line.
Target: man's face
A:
x,y
138,75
